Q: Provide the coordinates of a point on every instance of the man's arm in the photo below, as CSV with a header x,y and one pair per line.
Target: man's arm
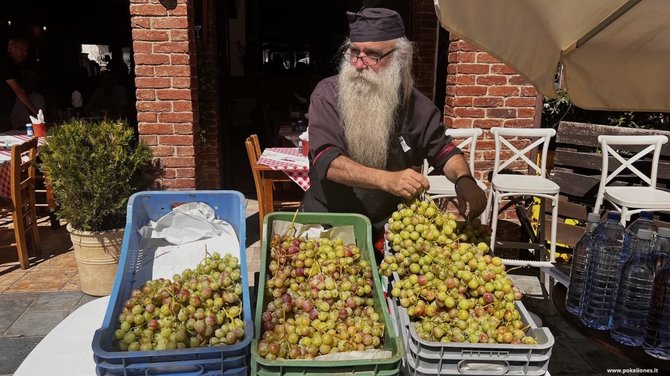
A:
x,y
21,94
471,198
405,183
456,167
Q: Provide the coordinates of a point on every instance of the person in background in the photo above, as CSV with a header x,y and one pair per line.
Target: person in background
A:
x,y
109,100
10,86
370,129
20,114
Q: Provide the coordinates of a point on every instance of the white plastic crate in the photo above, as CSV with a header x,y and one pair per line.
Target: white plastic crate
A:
x,y
428,358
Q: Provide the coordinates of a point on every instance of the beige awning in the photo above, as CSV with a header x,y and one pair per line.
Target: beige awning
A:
x,y
615,53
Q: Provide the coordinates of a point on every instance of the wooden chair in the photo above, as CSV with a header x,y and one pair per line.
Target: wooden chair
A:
x,y
22,204
268,182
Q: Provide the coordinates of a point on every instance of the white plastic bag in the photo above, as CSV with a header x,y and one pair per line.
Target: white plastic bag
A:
x,y
179,239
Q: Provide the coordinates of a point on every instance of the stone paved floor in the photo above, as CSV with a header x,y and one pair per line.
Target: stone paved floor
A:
x,y
34,301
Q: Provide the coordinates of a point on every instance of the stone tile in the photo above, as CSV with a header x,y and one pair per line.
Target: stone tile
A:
x,y
52,281
85,299
13,351
64,261
13,306
56,301
600,359
253,263
252,207
8,278
36,323
73,284
559,364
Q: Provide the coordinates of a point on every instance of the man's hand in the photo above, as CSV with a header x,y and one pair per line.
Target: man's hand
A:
x,y
406,183
470,195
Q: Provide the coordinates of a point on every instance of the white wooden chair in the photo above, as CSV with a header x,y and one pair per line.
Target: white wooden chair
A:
x,y
440,186
629,200
504,184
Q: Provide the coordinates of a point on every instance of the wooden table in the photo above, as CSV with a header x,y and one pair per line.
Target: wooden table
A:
x,y
290,161
602,337
7,139
278,164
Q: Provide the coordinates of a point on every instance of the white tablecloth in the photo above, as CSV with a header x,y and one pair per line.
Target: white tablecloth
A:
x,y
66,350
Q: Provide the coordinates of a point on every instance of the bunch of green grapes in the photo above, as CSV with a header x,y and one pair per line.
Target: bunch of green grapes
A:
x,y
450,285
321,300
201,307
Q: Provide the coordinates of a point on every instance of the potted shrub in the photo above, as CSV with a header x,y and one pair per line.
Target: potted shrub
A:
x,y
93,168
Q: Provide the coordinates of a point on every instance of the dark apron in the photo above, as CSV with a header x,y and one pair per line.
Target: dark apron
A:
x,y
328,196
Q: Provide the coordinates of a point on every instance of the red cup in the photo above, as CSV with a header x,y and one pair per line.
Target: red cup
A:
x,y
40,129
305,147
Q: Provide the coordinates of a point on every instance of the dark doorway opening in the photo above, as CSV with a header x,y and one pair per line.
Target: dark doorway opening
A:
x,y
278,51
71,44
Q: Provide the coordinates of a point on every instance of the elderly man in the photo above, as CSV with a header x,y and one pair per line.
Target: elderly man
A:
x,y
369,126
10,87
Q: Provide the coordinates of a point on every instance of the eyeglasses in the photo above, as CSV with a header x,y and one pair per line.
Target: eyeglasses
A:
x,y
367,59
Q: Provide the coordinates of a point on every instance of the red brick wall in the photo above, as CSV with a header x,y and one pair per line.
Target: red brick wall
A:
x,y
166,82
424,35
482,92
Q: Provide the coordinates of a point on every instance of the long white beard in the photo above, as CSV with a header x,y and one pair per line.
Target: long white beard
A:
x,y
368,104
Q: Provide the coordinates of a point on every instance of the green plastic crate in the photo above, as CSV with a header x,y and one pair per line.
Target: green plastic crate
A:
x,y
391,341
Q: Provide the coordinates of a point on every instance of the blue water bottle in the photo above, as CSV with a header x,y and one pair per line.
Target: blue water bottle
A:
x,y
603,266
578,268
634,294
29,129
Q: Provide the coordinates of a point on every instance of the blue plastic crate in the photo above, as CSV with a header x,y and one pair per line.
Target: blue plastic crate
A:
x,y
216,360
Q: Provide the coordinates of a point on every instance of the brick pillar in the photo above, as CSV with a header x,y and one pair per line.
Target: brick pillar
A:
x,y
209,168
424,35
166,81
482,92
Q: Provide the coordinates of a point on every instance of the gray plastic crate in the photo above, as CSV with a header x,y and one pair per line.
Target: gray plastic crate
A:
x,y
435,358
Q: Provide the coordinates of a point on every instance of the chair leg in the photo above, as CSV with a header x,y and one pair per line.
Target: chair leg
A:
x,y
554,226
599,202
35,231
624,216
489,205
20,237
486,215
494,220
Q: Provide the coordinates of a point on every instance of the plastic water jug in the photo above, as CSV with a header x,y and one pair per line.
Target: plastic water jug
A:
x,y
657,331
578,268
634,294
603,266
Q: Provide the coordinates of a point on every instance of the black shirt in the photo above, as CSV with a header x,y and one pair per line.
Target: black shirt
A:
x,y
422,132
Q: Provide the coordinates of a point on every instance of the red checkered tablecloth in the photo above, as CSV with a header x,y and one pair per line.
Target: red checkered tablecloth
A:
x,y
7,139
291,161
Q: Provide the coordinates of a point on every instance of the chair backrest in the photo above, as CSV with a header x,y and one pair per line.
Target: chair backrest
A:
x,y
468,144
254,153
653,145
23,169
506,152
